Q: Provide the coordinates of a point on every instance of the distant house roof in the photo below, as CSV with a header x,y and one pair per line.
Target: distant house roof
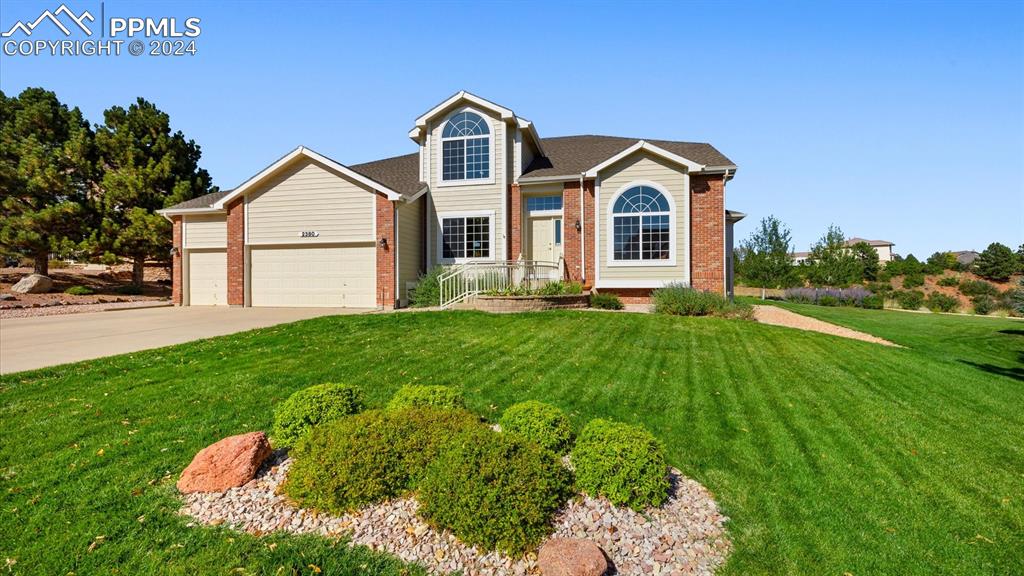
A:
x,y
798,255
856,240
966,257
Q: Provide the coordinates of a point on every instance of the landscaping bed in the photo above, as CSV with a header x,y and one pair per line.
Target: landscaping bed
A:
x,y
537,303
90,291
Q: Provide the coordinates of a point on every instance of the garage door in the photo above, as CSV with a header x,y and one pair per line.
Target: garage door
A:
x,y
207,278
342,276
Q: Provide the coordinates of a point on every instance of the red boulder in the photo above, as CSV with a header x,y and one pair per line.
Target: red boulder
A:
x,y
231,462
571,557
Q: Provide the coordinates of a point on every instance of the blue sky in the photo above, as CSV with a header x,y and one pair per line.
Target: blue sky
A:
x,y
901,121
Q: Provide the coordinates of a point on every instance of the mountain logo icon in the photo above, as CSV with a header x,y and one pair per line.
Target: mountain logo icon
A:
x,y
27,29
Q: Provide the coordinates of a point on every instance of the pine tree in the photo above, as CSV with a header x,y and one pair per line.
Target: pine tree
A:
x,y
145,167
830,262
46,159
867,259
997,263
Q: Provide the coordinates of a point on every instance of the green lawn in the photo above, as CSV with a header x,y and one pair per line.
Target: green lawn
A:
x,y
831,456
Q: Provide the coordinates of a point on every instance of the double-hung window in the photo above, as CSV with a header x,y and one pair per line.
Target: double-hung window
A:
x,y
641,226
465,148
465,237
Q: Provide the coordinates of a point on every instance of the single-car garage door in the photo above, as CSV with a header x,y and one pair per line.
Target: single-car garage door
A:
x,y
342,276
207,278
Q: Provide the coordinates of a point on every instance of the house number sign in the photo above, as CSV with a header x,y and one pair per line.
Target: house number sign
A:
x,y
308,234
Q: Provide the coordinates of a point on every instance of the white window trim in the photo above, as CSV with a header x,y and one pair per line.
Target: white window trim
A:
x,y
464,214
610,260
441,182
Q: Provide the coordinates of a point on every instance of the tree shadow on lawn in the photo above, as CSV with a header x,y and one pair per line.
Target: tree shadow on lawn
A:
x,y
1015,372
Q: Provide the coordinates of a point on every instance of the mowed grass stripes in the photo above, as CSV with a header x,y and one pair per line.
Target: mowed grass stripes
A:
x,y
830,456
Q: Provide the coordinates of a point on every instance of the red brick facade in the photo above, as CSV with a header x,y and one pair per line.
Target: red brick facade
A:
x,y
236,253
707,233
176,263
515,236
572,237
386,253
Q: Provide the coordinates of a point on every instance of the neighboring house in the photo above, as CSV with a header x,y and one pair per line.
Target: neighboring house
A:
x,y
622,215
883,247
966,257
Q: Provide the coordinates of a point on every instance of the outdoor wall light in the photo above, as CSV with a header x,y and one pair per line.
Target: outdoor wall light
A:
x,y
384,243
175,252
578,227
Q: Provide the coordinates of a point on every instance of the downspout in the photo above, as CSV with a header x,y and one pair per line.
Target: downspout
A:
x,y
726,257
583,236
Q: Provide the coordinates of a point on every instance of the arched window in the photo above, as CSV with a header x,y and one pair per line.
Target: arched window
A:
x,y
466,150
642,225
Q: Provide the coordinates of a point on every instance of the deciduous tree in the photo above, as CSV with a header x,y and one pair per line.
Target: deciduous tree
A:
x,y
830,262
766,261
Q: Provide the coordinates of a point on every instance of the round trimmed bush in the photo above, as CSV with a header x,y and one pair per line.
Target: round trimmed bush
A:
x,y
623,463
539,422
496,491
312,406
413,396
370,457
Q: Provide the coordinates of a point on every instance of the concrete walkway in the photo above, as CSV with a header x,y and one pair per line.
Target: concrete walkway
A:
x,y
29,343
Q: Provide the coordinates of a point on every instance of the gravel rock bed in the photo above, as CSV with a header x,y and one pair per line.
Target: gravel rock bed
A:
x,y
684,536
62,309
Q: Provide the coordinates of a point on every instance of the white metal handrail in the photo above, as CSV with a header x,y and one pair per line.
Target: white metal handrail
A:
x,y
472,278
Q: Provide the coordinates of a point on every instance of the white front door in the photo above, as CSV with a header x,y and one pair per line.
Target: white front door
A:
x,y
545,238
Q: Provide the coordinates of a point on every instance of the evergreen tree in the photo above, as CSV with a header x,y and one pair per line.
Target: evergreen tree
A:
x,y
997,263
766,261
46,156
830,262
867,259
145,167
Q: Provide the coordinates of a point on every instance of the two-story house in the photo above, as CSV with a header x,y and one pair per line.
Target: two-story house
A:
x,y
621,215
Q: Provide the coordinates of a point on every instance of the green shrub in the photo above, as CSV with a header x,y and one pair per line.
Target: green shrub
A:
x,y
313,406
680,300
948,281
873,302
624,463
913,281
415,396
57,264
559,288
909,299
495,491
882,288
79,291
605,301
370,457
128,290
428,289
983,304
978,288
828,301
539,422
939,302
737,310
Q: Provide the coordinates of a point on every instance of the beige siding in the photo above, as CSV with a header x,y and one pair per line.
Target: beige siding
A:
x,y
206,231
643,166
410,245
473,197
314,276
307,196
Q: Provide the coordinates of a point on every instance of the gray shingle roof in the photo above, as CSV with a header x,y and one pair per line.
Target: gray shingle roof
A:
x,y
204,201
400,173
565,156
570,155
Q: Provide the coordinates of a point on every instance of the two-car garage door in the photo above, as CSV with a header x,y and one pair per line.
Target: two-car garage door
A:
x,y
342,276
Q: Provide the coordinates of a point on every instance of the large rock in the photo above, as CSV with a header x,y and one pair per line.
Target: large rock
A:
x,y
33,284
231,462
571,557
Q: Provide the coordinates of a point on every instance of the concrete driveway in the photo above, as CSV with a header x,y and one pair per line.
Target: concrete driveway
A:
x,y
28,343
